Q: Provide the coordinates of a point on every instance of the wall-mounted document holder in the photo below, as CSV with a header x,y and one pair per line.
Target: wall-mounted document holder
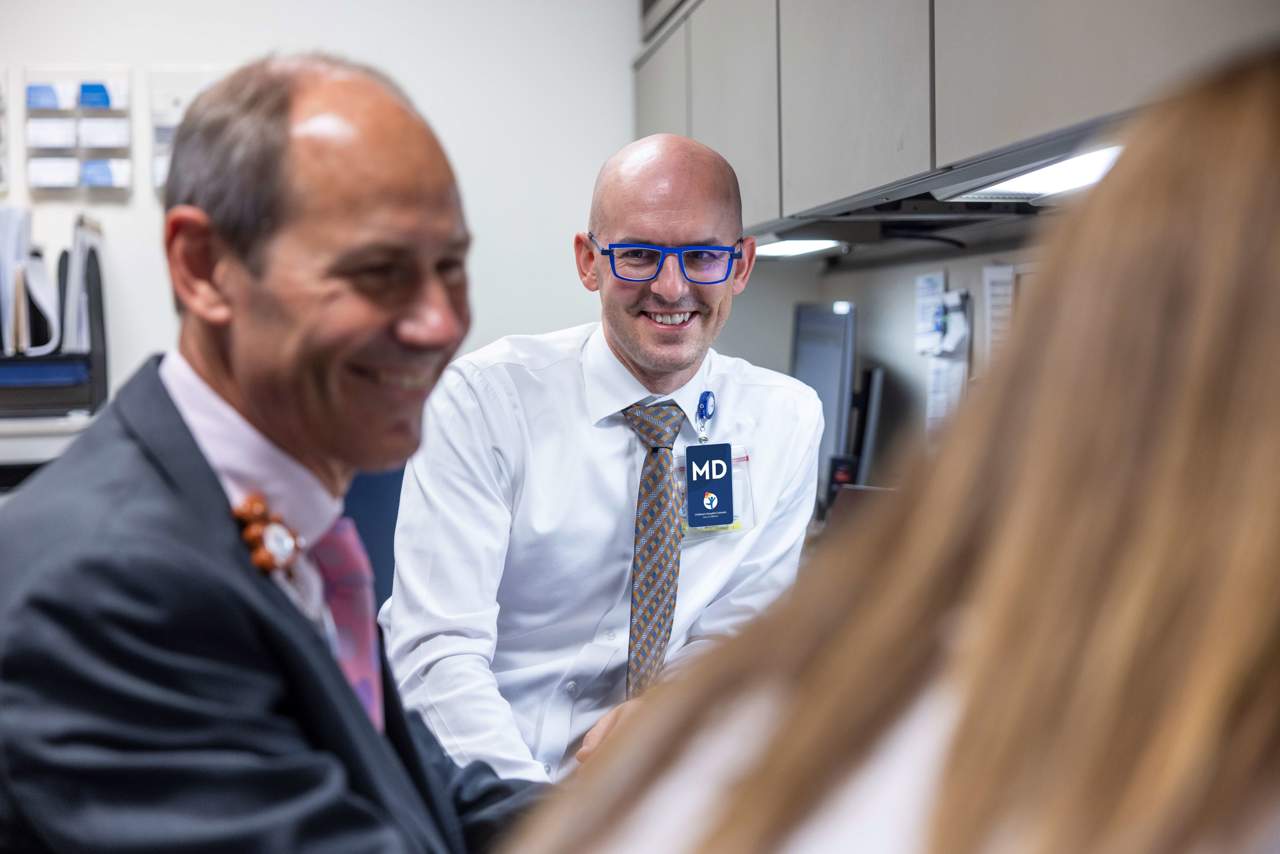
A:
x,y
172,91
54,358
78,130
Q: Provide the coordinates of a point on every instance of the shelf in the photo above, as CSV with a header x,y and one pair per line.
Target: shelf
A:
x,y
38,440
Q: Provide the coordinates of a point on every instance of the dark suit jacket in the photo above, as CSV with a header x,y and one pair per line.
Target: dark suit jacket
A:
x,y
159,694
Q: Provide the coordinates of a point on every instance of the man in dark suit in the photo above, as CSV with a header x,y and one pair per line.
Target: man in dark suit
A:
x,y
184,664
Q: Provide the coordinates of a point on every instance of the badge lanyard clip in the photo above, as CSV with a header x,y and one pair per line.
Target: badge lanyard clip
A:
x,y
706,411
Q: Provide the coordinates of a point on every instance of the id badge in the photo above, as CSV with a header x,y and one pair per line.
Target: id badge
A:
x,y
744,517
709,485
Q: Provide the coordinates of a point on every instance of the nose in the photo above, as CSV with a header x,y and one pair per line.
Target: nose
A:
x,y
437,320
670,284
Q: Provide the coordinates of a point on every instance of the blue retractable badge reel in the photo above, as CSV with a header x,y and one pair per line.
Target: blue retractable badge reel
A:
x,y
709,473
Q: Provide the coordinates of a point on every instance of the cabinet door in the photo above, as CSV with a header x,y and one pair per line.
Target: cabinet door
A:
x,y
1009,70
733,95
662,86
855,97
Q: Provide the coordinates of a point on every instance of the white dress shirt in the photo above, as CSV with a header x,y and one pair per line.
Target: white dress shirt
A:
x,y
508,625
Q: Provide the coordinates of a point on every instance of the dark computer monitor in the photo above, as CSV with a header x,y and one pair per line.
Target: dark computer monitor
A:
x,y
853,471
866,406
822,353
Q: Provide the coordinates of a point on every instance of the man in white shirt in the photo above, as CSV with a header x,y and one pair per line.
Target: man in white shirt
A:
x,y
547,565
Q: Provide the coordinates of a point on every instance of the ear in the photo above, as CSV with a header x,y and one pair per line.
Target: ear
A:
x,y
743,266
195,253
584,255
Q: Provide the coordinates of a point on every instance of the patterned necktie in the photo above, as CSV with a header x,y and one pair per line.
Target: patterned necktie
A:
x,y
348,591
655,566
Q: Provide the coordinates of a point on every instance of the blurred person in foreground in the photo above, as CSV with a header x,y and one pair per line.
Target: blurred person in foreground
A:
x,y
188,654
1063,635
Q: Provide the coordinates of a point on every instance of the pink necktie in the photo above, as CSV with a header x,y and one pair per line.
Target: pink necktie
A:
x,y
348,591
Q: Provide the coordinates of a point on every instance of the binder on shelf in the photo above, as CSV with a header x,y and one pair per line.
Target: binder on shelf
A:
x,y
37,372
82,265
44,308
15,247
21,311
43,382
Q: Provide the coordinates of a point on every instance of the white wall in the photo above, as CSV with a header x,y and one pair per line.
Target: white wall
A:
x,y
884,298
528,97
762,318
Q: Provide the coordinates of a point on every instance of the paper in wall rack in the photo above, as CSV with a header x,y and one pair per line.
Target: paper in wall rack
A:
x,y
65,90
78,130
52,329
173,88
4,134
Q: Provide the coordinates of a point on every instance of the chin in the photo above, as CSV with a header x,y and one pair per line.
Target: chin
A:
x,y
668,362
389,450
385,459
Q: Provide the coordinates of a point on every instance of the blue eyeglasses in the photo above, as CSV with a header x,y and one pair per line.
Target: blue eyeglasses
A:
x,y
642,262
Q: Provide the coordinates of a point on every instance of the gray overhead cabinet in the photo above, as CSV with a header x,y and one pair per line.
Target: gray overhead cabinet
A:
x,y
855,97
1009,70
733,94
828,107
713,75
662,85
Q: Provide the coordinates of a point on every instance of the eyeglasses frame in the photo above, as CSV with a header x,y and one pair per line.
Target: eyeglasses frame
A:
x,y
735,253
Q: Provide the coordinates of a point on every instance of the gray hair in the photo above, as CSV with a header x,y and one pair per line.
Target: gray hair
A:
x,y
229,152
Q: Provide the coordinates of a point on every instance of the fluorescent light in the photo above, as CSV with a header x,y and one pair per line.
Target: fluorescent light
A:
x,y
1061,177
792,248
841,307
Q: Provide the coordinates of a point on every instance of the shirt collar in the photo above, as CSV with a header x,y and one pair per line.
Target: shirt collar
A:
x,y
611,388
244,460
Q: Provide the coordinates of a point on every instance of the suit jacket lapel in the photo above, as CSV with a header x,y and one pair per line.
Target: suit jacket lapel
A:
x,y
149,413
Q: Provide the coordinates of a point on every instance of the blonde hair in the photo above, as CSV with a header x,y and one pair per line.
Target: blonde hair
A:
x,y
1092,561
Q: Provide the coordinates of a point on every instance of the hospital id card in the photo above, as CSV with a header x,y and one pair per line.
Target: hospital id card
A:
x,y
744,516
709,477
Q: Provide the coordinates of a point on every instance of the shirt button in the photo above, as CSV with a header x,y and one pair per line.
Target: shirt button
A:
x,y
571,689
546,766
611,635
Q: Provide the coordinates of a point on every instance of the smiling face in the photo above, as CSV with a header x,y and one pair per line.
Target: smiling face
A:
x,y
667,191
362,298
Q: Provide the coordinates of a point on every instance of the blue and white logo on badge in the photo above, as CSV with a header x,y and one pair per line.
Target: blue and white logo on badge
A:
x,y
709,473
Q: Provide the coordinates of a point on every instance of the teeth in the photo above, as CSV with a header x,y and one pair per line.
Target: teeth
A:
x,y
672,319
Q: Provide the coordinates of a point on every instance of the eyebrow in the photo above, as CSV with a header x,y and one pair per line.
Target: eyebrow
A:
x,y
711,241
391,252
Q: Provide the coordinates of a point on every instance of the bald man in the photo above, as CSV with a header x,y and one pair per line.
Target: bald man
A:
x,y
549,563
188,648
